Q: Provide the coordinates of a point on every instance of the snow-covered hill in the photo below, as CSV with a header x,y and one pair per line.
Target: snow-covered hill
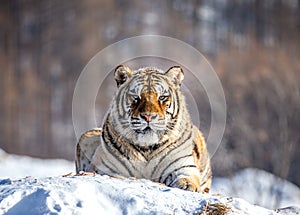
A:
x,y
46,191
106,195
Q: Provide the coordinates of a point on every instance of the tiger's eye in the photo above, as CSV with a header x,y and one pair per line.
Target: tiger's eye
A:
x,y
163,98
135,98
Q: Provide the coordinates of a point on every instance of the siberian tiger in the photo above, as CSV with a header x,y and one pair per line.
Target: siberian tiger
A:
x,y
148,133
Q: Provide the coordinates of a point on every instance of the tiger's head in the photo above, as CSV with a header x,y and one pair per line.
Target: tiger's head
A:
x,y
147,103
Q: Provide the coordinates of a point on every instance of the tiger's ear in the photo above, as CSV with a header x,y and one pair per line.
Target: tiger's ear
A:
x,y
122,73
176,74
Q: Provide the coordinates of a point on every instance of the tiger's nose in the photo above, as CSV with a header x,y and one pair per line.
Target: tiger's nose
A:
x,y
148,116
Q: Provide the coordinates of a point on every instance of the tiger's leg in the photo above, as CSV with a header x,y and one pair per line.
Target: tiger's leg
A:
x,y
196,176
187,178
86,148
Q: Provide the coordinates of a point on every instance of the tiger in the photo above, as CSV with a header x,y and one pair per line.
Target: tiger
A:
x,y
148,133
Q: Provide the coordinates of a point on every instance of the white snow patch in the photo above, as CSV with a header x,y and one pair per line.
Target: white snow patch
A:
x,y
258,187
16,166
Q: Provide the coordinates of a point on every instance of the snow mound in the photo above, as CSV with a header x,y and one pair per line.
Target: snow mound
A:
x,y
258,187
107,195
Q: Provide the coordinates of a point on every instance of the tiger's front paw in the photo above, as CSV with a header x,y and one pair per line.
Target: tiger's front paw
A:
x,y
184,184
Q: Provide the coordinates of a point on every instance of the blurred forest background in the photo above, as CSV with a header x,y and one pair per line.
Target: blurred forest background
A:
x,y
253,45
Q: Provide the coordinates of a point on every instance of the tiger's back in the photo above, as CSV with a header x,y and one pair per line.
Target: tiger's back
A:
x,y
148,133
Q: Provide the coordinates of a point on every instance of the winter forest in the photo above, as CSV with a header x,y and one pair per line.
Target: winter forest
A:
x,y
252,45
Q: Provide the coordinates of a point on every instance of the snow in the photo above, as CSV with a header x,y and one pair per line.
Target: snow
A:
x,y
47,191
106,195
258,187
15,166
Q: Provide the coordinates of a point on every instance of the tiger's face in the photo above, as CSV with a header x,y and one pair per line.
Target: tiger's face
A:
x,y
146,102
